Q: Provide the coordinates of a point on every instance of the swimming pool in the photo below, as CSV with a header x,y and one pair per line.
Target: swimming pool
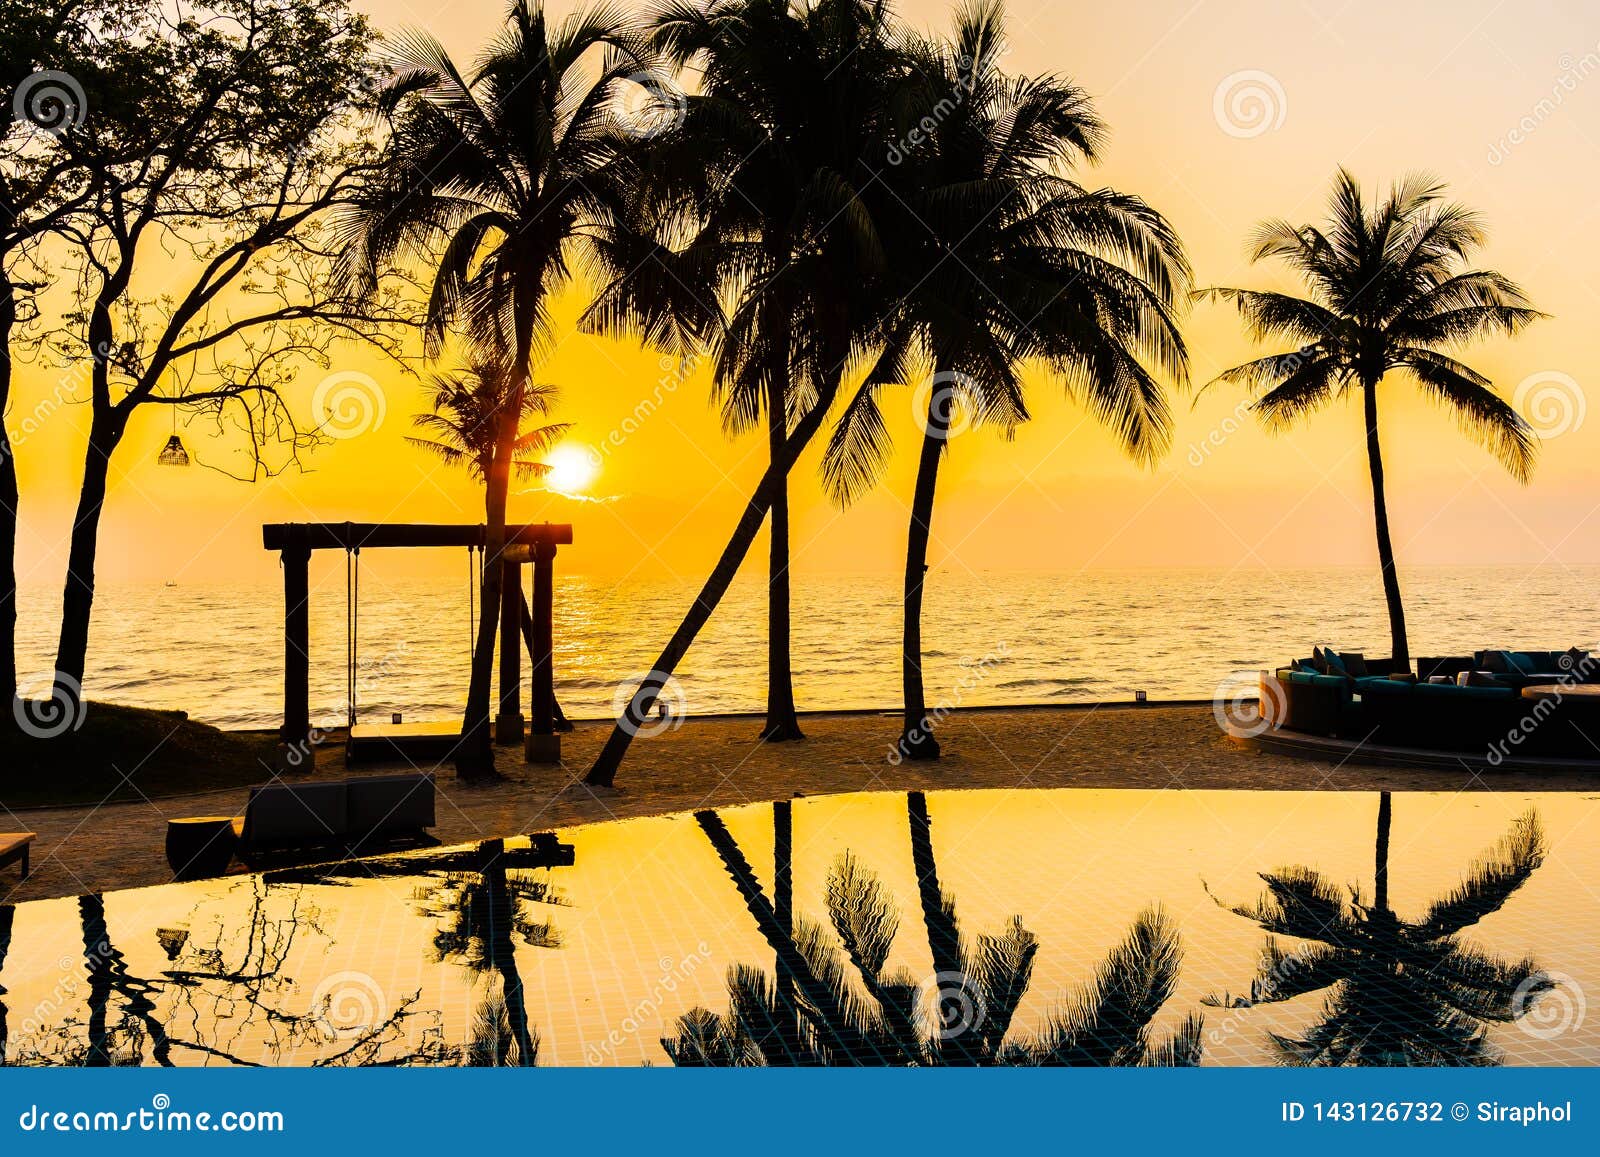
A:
x,y
972,927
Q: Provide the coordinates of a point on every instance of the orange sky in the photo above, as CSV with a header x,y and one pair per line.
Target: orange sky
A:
x,y
1378,86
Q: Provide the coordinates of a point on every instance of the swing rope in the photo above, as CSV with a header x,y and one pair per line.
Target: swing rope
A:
x,y
473,575
352,623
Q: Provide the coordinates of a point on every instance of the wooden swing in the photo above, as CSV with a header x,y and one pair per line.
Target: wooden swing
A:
x,y
414,742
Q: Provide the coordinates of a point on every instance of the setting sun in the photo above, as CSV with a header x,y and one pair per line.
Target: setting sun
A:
x,y
572,469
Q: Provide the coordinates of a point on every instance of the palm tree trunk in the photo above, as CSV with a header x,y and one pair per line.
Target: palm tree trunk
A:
x,y
604,771
1398,648
502,951
9,498
783,910
833,1026
953,991
1380,873
77,602
475,754
92,919
944,939
916,735
782,722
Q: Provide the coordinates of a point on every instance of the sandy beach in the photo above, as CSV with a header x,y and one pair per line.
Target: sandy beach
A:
x,y
718,762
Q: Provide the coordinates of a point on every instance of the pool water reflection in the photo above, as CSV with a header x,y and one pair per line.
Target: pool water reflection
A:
x,y
1014,927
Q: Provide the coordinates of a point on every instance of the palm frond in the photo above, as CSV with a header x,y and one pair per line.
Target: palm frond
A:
x,y
1479,410
1491,880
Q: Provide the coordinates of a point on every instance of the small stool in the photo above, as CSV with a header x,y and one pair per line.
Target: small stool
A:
x,y
14,847
200,846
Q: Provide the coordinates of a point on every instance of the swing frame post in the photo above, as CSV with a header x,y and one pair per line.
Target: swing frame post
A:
x,y
544,745
296,730
508,721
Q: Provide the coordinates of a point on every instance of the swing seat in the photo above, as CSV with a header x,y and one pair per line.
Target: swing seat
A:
x,y
422,744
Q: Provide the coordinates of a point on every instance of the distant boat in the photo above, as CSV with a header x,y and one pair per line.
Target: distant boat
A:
x,y
172,582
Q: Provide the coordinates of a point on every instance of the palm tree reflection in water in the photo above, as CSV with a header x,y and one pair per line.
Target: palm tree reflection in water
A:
x,y
1398,992
481,915
842,1005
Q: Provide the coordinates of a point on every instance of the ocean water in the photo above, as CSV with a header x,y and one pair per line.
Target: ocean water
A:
x,y
216,651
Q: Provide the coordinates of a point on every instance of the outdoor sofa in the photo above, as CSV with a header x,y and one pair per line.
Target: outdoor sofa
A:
x,y
353,816
1456,703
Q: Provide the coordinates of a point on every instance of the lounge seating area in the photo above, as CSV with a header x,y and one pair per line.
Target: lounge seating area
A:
x,y
285,822
1492,705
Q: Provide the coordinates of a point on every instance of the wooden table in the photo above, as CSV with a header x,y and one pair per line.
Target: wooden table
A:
x,y
200,846
14,846
1588,691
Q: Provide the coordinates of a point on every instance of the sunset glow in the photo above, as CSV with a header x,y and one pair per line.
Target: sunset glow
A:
x,y
573,469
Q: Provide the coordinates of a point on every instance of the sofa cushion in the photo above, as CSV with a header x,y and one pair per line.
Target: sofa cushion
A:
x,y
1354,663
301,813
1495,661
1535,662
390,803
1332,664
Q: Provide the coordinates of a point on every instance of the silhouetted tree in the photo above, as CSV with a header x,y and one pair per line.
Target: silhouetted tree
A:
x,y
996,257
1389,289
481,918
466,408
761,157
256,101
805,262
491,178
60,61
8,914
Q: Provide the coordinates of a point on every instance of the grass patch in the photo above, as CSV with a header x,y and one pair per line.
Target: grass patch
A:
x,y
123,753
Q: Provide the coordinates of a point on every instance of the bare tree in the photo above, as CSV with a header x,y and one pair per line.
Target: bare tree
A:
x,y
204,265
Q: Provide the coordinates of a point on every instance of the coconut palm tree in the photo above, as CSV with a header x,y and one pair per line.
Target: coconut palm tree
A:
x,y
491,178
790,227
466,409
749,152
1389,289
977,990
999,258
1399,992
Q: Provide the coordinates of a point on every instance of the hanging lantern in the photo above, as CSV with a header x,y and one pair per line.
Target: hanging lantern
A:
x,y
172,940
173,453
